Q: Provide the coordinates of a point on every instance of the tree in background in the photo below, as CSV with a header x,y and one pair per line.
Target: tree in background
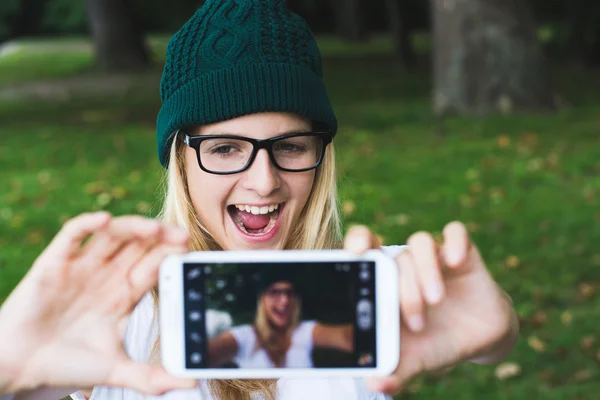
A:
x,y
349,20
9,9
487,57
584,31
398,13
118,41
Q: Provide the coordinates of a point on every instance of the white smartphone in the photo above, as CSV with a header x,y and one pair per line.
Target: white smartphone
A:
x,y
275,314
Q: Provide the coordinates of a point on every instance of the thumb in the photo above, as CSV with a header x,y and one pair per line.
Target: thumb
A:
x,y
147,379
360,239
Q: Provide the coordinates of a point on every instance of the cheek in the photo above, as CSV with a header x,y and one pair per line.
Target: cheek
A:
x,y
301,186
208,193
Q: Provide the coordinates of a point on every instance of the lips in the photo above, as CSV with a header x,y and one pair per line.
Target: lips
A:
x,y
256,222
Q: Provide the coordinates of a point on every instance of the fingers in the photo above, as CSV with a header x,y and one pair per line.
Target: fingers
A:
x,y
411,301
144,274
360,239
147,379
105,243
456,244
389,385
424,251
69,239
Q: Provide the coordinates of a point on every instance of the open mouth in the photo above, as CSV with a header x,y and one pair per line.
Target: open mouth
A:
x,y
253,220
282,314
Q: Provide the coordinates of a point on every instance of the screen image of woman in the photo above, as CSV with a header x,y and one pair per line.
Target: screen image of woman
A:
x,y
278,337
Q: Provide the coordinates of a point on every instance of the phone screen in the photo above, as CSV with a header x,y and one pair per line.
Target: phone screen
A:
x,y
280,315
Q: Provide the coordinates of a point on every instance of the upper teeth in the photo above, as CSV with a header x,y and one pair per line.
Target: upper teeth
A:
x,y
257,210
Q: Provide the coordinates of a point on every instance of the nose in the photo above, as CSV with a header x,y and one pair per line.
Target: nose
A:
x,y
285,300
262,176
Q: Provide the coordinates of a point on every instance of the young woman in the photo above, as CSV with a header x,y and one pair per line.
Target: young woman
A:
x,y
246,135
278,337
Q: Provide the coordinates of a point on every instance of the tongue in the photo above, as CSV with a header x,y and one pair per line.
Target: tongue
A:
x,y
252,221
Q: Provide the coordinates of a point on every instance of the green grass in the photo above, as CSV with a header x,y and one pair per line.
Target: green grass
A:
x,y
528,186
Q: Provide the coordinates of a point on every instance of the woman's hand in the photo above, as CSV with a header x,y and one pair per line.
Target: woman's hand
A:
x,y
451,308
63,325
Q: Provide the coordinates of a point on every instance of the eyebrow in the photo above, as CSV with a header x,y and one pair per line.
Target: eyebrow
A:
x,y
224,133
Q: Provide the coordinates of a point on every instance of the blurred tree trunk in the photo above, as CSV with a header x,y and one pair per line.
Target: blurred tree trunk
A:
x,y
487,57
577,20
118,42
401,33
349,23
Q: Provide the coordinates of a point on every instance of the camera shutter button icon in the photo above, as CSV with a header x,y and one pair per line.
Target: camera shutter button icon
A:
x,y
364,315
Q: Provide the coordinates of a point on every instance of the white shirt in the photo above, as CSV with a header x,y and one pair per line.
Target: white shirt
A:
x,y
297,356
142,332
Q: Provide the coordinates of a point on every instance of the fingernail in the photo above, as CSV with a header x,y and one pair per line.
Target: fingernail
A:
x,y
357,244
434,293
453,257
416,323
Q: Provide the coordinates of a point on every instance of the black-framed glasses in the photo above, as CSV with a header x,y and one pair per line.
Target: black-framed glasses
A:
x,y
276,293
230,154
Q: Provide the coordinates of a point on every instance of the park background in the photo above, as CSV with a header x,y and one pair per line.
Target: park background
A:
x,y
485,111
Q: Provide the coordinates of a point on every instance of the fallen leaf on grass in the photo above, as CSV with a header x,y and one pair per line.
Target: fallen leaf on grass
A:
x,y
539,318
512,262
466,201
16,221
44,177
348,207
414,387
34,237
473,226
546,375
583,375
104,199
503,141
401,219
118,192
507,370
561,353
536,344
553,160
135,176
589,194
587,290
119,143
566,317
544,225
535,165
587,342
475,187
94,188
578,249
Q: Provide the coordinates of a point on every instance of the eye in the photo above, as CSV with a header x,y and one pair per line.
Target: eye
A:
x,y
223,149
291,147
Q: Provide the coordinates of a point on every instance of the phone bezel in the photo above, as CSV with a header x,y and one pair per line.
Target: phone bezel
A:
x,y
172,323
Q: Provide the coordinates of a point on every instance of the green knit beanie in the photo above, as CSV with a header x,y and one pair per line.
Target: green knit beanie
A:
x,y
238,57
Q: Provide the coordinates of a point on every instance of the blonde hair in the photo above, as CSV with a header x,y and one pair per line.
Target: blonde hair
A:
x,y
318,227
268,337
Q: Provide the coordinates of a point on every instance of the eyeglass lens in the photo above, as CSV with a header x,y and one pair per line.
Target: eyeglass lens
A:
x,y
228,155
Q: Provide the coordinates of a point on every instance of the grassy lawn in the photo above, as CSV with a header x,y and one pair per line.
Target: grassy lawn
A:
x,y
528,186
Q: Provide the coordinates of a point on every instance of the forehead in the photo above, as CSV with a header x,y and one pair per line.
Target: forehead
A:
x,y
259,126
281,285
